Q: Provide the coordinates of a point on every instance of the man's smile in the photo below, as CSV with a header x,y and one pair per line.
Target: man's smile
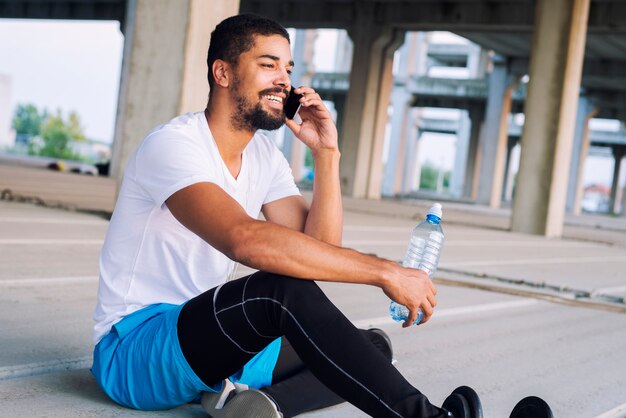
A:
x,y
274,100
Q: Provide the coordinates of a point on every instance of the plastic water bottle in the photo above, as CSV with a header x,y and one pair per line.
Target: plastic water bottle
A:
x,y
423,253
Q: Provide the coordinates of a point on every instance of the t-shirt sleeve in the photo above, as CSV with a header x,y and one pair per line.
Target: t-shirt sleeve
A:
x,y
167,162
283,184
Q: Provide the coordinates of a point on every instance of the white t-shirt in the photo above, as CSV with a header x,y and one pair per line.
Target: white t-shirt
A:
x,y
148,257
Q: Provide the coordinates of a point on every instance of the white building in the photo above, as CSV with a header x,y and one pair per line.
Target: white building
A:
x,y
7,134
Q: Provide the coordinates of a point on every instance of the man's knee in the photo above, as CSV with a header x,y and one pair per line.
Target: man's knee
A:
x,y
285,288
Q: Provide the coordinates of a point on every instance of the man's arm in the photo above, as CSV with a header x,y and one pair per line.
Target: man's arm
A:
x,y
324,219
209,212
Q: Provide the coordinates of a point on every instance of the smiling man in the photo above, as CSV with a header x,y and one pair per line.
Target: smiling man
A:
x,y
172,325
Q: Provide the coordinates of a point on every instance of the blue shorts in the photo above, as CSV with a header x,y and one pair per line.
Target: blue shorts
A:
x,y
139,364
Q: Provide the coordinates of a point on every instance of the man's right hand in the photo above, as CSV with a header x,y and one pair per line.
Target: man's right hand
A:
x,y
413,289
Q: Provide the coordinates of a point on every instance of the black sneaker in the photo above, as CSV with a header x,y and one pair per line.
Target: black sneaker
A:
x,y
532,407
385,345
463,402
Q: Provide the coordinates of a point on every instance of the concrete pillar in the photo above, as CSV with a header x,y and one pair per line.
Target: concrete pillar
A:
x,y
411,145
509,178
623,213
413,167
584,151
340,107
412,62
470,187
401,99
494,136
400,102
555,72
457,176
365,117
580,128
164,70
618,155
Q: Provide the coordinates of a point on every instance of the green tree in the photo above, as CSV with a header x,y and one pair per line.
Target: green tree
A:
x,y
430,176
28,120
57,135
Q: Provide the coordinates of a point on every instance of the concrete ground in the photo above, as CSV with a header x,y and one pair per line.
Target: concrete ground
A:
x,y
517,314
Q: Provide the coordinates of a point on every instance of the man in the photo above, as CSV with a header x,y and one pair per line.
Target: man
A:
x,y
171,323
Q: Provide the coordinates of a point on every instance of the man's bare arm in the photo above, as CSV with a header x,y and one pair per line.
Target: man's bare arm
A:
x,y
324,219
209,212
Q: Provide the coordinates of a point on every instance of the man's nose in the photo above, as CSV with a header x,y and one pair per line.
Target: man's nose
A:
x,y
283,79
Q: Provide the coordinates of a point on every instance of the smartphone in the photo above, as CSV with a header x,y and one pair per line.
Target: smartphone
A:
x,y
292,105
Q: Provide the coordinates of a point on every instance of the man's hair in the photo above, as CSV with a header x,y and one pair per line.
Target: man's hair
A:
x,y
235,35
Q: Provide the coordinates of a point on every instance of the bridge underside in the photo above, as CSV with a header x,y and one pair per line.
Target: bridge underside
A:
x,y
589,34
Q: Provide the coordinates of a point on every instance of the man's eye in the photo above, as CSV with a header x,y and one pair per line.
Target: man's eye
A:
x,y
267,65
289,72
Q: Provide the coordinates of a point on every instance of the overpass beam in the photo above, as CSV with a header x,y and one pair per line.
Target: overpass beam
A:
x,y
495,136
555,72
164,69
365,118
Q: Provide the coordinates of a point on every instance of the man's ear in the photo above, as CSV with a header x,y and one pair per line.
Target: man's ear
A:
x,y
221,73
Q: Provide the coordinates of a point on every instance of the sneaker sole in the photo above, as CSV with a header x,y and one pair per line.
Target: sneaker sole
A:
x,y
247,404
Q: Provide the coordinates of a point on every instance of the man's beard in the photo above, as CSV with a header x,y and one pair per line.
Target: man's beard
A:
x,y
253,117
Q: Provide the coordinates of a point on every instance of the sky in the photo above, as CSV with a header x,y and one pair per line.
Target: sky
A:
x,y
75,65
67,65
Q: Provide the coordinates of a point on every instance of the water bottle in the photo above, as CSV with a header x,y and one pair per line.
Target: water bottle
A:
x,y
423,253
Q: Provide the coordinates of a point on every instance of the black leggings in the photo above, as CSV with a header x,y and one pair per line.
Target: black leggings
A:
x,y
296,390
223,328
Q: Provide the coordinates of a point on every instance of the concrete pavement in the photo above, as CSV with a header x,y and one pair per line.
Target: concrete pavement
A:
x,y
517,314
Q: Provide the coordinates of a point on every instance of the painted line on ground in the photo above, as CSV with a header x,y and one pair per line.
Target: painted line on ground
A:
x,y
376,228
469,243
47,281
617,412
614,289
52,221
525,261
33,369
26,241
451,312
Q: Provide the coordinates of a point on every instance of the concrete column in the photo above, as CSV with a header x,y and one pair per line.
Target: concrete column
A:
x,y
470,187
400,101
623,213
457,176
618,155
340,107
413,167
555,72
584,151
494,136
404,171
399,118
164,70
412,62
365,117
582,123
509,178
